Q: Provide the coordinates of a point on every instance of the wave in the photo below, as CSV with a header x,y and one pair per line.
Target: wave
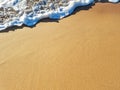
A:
x,y
29,12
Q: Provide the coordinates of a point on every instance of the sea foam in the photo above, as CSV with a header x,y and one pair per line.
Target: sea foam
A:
x,y
29,12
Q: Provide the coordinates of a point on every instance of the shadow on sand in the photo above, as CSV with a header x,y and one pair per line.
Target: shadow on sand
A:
x,y
13,28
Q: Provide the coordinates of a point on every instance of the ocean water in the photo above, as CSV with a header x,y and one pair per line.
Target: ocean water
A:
x,y
29,12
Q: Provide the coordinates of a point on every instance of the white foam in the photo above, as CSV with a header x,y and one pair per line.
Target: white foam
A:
x,y
33,17
113,1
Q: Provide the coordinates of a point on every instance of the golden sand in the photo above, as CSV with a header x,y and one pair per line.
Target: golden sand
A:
x,y
81,52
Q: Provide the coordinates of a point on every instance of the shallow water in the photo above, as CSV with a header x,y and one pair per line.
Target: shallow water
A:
x,y
29,12
80,52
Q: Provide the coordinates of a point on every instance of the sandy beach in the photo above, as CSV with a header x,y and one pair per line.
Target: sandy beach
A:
x,y
80,52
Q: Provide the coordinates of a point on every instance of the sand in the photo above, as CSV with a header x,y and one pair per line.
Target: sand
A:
x,y
80,52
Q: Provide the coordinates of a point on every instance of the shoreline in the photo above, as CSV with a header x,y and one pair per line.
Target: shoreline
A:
x,y
76,10
80,52
11,15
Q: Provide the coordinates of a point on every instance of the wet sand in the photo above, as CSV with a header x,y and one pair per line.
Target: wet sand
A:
x,y
80,52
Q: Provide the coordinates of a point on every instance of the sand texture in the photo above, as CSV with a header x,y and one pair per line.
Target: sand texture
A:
x,y
80,52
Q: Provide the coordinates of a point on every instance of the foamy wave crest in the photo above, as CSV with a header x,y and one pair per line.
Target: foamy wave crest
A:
x,y
29,12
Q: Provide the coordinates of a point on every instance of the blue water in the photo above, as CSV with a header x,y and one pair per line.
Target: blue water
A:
x,y
32,18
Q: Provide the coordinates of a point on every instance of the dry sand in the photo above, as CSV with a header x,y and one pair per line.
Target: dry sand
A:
x,y
81,52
